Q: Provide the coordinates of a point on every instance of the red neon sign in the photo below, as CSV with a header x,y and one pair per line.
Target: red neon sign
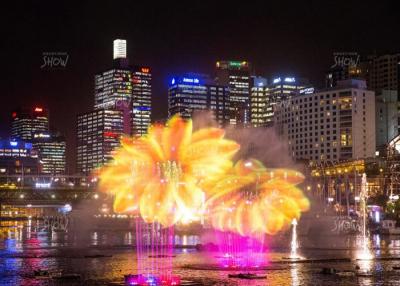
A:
x,y
145,70
14,114
38,109
110,134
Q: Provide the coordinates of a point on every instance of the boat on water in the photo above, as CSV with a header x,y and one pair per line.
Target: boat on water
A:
x,y
249,276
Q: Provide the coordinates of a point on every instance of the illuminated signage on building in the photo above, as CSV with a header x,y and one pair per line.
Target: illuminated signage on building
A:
x,y
190,80
290,79
237,64
13,143
276,80
41,135
38,109
308,90
186,80
145,70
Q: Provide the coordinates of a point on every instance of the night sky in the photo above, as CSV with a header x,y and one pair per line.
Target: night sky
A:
x,y
296,39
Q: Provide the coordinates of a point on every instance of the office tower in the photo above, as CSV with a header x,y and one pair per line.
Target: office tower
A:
x,y
122,105
16,161
26,121
98,134
236,76
260,110
283,88
141,99
386,117
383,72
194,92
50,151
113,88
330,125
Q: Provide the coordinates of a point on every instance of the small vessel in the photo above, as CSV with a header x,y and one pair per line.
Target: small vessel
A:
x,y
345,273
364,273
97,256
328,271
45,274
67,277
247,276
161,256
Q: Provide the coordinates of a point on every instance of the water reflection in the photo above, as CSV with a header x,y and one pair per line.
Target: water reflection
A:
x,y
25,249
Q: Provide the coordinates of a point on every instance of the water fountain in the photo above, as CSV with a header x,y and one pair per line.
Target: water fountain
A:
x,y
364,255
294,245
165,177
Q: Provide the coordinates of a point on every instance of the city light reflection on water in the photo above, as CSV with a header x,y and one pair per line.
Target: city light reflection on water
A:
x,y
23,250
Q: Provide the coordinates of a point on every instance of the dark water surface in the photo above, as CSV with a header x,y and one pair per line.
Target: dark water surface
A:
x,y
24,248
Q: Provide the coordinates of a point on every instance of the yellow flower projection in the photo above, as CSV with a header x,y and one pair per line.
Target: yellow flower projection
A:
x,y
253,200
165,174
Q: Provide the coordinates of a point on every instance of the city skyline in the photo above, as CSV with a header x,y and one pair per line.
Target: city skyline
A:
x,y
183,44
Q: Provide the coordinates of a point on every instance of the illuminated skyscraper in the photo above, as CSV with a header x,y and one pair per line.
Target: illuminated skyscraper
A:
x,y
194,92
141,99
260,109
27,121
122,105
50,150
113,88
236,76
98,134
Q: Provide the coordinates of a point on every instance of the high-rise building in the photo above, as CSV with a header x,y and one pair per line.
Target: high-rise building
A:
x,y
17,158
236,76
98,134
383,72
194,92
260,110
27,121
386,118
141,99
330,125
281,89
50,150
113,88
122,106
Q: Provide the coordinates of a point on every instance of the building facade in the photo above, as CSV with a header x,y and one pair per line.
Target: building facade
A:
x,y
331,125
383,72
236,76
386,117
16,161
98,134
122,106
141,100
261,112
194,92
50,151
26,121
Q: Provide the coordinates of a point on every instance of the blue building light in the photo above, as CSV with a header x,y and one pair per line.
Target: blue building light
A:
x,y
290,79
13,143
173,81
276,80
190,80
